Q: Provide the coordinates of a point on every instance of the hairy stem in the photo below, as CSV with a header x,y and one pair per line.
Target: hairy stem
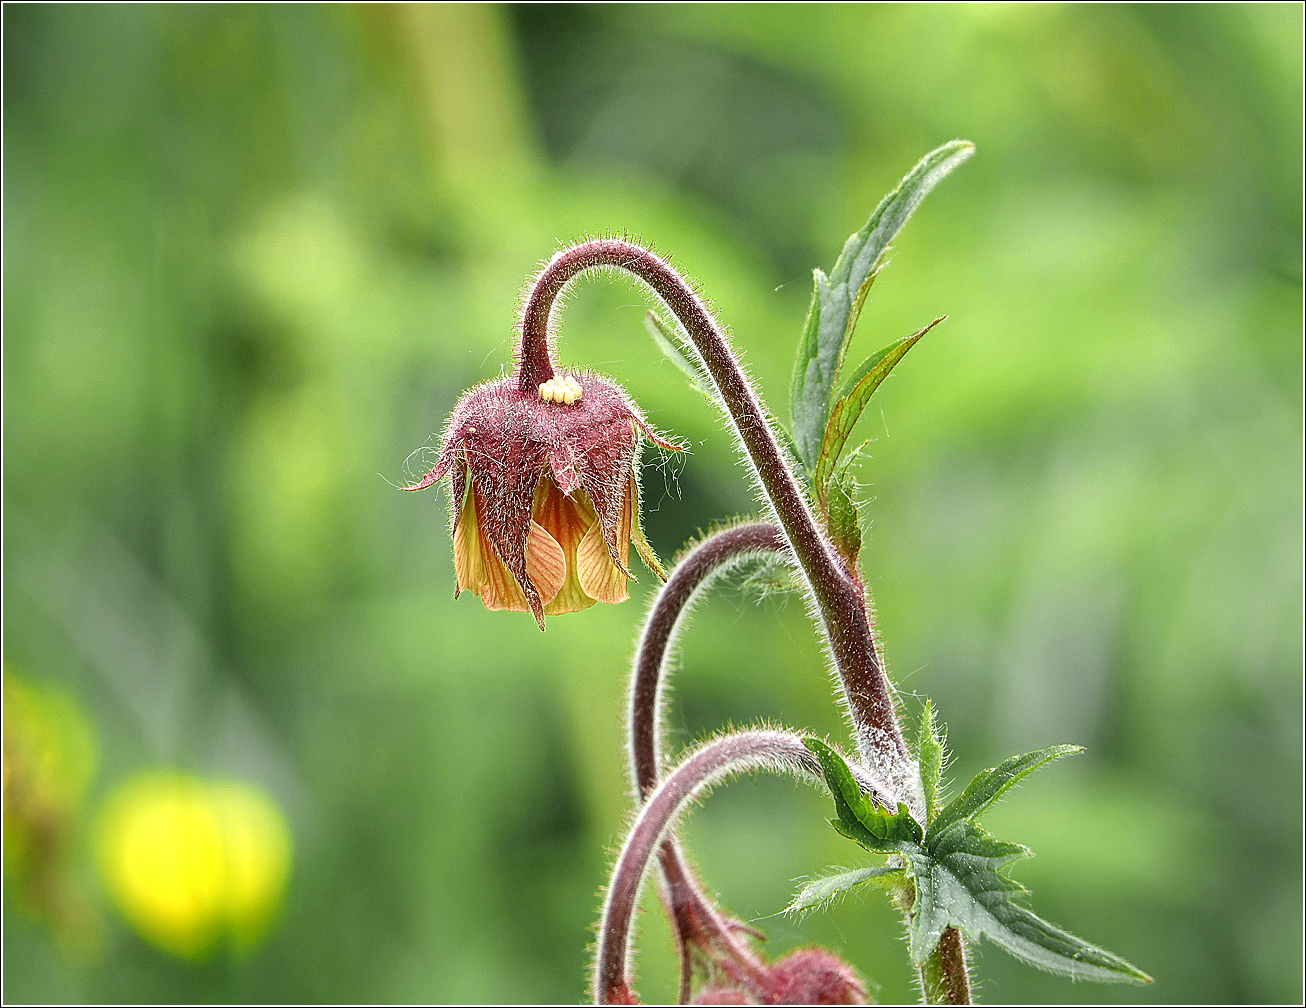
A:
x,y
839,596
696,920
707,559
945,977
730,754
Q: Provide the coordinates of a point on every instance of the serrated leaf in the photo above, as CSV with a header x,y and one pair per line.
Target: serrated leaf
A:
x,y
958,871
961,882
931,753
990,785
822,891
677,348
860,819
844,525
849,801
847,410
837,299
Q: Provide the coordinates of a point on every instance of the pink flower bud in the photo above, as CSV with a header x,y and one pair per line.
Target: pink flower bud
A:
x,y
545,493
722,996
815,976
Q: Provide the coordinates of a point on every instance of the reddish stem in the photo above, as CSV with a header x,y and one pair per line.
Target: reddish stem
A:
x,y
696,920
956,976
749,750
840,598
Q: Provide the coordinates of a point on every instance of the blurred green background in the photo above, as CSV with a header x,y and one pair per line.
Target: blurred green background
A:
x,y
253,254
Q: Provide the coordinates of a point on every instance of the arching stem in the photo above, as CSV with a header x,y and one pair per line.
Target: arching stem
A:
x,y
836,589
749,750
838,593
696,921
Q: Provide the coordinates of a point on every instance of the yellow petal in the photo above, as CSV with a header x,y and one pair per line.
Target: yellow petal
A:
x,y
546,564
500,590
599,576
566,519
467,561
478,566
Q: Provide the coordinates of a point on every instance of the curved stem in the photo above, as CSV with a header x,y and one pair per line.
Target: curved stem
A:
x,y
696,920
839,596
706,560
748,750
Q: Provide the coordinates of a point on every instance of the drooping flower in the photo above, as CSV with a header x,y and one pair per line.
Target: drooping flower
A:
x,y
544,493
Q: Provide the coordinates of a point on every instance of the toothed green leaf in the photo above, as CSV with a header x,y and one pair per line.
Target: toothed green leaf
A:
x,y
837,299
957,871
860,819
844,524
931,754
821,891
990,785
961,882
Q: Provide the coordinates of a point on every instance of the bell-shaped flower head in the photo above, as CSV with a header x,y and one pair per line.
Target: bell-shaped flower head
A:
x,y
544,493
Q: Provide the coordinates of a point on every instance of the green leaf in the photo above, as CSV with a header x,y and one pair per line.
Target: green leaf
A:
x,y
931,752
957,870
990,785
673,342
837,299
844,525
848,409
822,891
842,513
960,882
860,819
849,801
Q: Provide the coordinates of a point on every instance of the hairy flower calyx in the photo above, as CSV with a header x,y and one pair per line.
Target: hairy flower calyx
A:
x,y
544,502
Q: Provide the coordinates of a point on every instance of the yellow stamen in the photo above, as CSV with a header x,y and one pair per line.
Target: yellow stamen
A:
x,y
561,389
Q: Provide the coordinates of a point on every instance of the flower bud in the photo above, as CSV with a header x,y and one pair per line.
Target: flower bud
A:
x,y
815,976
722,996
544,495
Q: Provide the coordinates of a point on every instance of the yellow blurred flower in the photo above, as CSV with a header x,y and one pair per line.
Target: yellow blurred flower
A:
x,y
193,863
